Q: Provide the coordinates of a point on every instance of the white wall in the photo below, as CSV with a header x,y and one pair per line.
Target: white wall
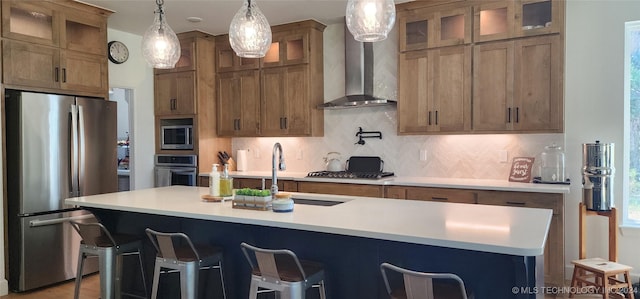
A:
x,y
135,74
594,98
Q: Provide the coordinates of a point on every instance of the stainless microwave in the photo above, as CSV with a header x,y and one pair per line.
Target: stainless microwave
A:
x,y
178,137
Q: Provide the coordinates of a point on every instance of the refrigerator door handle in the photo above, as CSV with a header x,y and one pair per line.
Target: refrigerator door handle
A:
x,y
81,150
74,151
36,223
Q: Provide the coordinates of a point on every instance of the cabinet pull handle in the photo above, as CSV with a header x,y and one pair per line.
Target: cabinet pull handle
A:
x,y
509,115
436,117
516,203
281,123
517,114
429,118
285,123
64,75
439,198
56,74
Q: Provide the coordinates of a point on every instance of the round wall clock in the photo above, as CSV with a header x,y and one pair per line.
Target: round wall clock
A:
x,y
118,52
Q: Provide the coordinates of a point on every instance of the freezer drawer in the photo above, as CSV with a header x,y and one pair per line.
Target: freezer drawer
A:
x,y
47,251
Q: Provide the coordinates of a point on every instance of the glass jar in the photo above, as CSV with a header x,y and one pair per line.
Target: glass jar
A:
x,y
552,164
226,182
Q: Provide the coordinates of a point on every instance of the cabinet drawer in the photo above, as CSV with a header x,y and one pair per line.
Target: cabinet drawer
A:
x,y
522,199
442,195
340,189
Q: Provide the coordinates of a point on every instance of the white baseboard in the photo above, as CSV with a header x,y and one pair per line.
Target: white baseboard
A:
x,y
4,287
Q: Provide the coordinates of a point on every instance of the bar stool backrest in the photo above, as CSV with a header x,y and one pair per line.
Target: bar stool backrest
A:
x,y
166,245
267,261
94,234
419,285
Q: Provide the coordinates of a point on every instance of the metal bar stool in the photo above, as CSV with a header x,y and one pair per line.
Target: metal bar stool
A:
x,y
281,271
420,285
109,248
178,253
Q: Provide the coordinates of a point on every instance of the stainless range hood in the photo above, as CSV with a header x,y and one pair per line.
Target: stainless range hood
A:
x,y
358,60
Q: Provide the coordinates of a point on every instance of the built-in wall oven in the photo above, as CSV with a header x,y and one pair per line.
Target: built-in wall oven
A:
x,y
176,170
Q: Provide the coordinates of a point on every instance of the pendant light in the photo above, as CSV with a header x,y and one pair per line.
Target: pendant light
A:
x,y
249,32
160,45
370,20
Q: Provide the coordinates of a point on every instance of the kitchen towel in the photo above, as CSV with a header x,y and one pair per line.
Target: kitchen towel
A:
x,y
241,160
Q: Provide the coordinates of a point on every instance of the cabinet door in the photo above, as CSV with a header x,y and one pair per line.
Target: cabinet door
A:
x,y
341,189
453,26
175,93
536,17
493,20
83,72
451,109
415,92
442,195
287,48
228,61
239,103
286,101
493,86
395,192
187,60
30,65
538,84
83,32
416,29
30,21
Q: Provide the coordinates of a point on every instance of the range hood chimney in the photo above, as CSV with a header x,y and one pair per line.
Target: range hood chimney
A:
x,y
358,60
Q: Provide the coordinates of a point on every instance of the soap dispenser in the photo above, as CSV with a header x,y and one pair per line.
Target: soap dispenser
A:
x,y
226,182
214,181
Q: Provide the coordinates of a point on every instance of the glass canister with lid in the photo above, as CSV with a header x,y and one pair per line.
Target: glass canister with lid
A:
x,y
552,164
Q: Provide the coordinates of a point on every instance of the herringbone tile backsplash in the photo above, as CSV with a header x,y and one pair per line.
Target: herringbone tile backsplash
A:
x,y
450,156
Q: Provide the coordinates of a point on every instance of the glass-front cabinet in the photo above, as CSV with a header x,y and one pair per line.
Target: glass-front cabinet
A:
x,y
287,48
432,28
34,22
508,19
228,61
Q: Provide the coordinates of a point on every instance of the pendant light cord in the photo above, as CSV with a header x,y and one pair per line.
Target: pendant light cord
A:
x,y
249,9
160,11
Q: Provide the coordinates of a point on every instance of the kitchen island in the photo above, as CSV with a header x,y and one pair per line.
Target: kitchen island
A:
x,y
492,248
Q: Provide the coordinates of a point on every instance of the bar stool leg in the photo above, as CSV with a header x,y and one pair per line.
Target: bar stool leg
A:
x,y
224,292
79,274
107,268
323,294
156,279
189,281
144,280
253,289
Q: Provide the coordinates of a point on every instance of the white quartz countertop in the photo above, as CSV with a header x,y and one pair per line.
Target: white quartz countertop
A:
x,y
455,183
497,229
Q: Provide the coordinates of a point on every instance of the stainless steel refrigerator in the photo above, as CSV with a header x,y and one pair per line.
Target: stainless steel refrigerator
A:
x,y
57,147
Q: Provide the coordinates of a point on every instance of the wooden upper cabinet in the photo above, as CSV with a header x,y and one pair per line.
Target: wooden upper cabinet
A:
x,y
228,61
435,90
434,27
31,21
175,94
238,103
518,85
188,57
64,46
509,18
286,101
287,48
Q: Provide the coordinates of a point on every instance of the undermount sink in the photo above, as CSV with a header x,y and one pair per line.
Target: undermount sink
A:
x,y
315,202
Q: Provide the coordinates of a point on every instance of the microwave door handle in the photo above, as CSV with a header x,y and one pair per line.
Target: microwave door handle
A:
x,y
189,172
188,137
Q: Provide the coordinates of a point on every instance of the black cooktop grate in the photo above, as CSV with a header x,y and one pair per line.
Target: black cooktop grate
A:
x,y
350,174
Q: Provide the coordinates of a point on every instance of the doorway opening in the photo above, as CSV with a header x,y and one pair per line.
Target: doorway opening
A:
x,y
124,98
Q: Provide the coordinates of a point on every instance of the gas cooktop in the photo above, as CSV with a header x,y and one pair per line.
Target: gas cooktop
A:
x,y
349,174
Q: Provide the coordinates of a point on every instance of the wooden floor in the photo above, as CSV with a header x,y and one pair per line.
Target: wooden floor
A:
x,y
89,289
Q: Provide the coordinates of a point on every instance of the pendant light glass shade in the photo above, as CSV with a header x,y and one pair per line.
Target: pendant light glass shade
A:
x,y
370,20
249,32
160,45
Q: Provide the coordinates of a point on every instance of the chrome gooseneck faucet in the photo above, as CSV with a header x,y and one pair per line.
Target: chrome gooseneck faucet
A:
x,y
274,177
